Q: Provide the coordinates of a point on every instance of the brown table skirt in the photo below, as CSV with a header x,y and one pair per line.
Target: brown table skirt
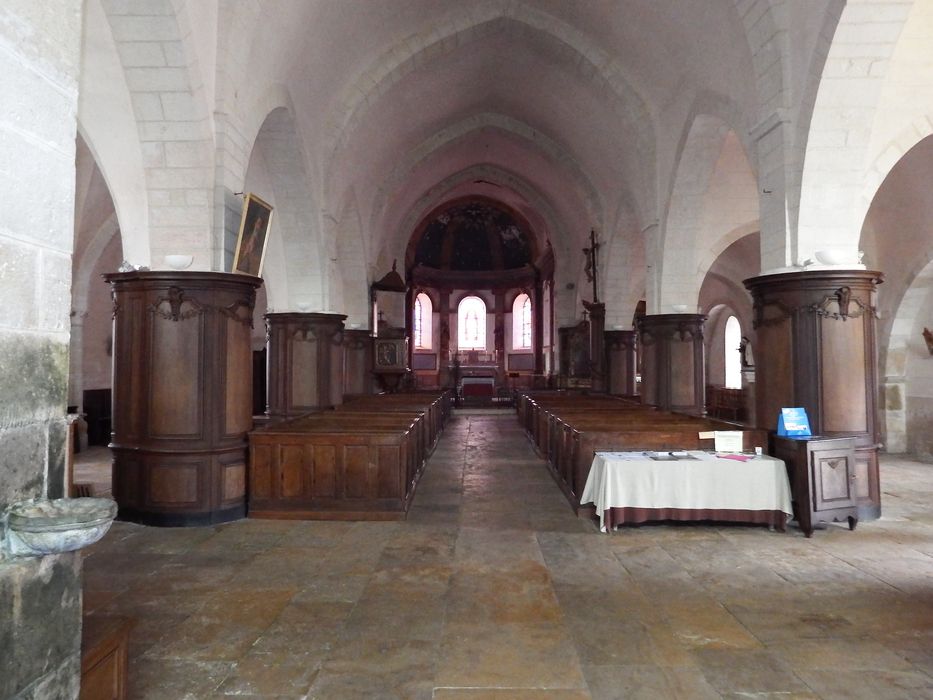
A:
x,y
620,516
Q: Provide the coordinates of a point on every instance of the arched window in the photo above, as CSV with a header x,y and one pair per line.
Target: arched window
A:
x,y
521,323
471,324
733,354
421,322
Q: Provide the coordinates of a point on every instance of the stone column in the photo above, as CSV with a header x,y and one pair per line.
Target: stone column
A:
x,y
40,598
358,362
621,362
672,362
537,310
76,359
816,348
499,335
306,362
443,355
182,395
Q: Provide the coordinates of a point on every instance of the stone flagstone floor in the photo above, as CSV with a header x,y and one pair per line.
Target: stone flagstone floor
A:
x,y
493,589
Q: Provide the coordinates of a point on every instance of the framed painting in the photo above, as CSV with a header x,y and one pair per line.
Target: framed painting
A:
x,y
390,354
251,242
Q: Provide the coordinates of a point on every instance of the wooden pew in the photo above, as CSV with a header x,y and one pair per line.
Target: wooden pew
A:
x,y
568,430
360,462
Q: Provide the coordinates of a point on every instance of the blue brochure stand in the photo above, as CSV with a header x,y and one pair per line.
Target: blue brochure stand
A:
x,y
793,422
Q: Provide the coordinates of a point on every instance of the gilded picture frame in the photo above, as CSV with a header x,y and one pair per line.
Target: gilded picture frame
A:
x,y
252,240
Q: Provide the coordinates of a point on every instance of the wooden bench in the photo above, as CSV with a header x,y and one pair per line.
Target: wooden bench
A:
x,y
361,462
568,430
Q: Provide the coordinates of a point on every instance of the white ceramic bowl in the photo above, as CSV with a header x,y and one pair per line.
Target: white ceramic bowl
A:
x,y
178,262
832,256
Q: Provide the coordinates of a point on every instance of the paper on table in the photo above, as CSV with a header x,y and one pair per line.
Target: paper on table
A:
x,y
728,441
739,458
622,456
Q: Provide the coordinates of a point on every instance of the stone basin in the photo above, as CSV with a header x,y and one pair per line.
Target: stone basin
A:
x,y
59,525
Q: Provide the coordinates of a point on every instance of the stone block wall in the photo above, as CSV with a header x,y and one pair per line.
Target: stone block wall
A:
x,y
919,420
40,627
40,599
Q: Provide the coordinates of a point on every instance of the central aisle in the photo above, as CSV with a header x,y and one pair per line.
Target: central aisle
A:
x,y
493,589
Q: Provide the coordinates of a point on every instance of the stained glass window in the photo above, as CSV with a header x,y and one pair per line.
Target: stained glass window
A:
x,y
521,323
733,354
421,323
471,324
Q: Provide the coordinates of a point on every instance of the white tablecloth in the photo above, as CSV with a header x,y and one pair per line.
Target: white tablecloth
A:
x,y
634,480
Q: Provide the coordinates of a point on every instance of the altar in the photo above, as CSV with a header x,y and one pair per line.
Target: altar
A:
x,y
637,487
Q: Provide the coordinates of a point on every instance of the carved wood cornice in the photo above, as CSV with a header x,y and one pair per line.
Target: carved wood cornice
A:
x,y
683,327
842,298
759,307
620,340
175,300
176,305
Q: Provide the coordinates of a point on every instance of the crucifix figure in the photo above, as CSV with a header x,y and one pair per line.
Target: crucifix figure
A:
x,y
592,264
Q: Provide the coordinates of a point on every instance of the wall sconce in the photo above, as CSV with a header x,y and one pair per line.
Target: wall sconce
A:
x,y
928,337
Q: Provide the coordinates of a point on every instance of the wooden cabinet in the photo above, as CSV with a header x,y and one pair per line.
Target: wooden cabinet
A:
x,y
823,474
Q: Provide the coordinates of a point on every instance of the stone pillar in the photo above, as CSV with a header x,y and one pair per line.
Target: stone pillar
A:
x,y
76,359
306,362
598,377
537,310
816,348
621,362
748,384
358,362
182,395
499,336
40,598
672,362
443,355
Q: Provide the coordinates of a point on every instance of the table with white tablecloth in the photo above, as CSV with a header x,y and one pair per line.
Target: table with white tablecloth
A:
x,y
636,487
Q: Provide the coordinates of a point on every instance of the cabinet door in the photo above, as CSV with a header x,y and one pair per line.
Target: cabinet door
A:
x,y
832,475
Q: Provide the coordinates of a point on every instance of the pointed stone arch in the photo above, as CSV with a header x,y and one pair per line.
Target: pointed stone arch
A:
x,y
351,267
154,42
107,127
508,125
278,149
713,200
594,65
856,134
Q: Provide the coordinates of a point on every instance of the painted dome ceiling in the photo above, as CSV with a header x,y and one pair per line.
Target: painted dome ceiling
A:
x,y
474,237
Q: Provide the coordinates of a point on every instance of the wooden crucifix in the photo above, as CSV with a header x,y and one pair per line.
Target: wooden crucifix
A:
x,y
592,264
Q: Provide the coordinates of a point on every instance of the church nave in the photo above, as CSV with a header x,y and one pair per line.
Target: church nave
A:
x,y
493,589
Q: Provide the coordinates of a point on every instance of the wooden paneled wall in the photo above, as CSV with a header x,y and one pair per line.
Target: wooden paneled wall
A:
x,y
673,369
306,362
358,362
621,362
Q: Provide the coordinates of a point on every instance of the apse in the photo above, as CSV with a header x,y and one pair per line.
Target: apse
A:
x,y
478,283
